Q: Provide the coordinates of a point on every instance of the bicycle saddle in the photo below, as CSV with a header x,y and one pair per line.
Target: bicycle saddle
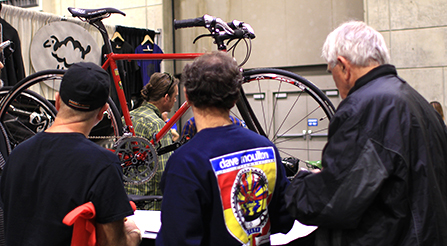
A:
x,y
93,13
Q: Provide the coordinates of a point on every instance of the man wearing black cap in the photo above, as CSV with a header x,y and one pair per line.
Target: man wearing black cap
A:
x,y
58,170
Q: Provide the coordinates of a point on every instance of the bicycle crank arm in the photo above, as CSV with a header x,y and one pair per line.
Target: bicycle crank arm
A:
x,y
169,148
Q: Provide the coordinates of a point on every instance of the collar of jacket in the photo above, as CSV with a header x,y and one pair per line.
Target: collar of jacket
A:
x,y
375,73
153,107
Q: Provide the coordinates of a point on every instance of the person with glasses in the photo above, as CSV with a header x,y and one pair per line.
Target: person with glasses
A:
x,y
159,96
384,167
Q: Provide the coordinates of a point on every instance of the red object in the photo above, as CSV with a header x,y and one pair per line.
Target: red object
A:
x,y
84,227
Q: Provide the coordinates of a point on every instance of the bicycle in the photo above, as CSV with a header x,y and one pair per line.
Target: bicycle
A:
x,y
263,93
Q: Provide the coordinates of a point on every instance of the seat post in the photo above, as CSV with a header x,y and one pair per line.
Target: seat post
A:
x,y
97,23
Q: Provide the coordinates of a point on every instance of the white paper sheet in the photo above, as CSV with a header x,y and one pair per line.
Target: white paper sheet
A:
x,y
298,230
149,223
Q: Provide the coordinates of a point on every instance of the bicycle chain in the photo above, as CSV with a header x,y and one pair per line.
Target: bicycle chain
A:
x,y
103,137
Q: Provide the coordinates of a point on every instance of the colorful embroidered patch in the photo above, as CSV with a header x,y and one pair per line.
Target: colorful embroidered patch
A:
x,y
246,181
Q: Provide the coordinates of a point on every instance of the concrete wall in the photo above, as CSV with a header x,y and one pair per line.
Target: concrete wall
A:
x,y
416,33
289,32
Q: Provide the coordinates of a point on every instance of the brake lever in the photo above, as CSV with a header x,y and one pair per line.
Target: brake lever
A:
x,y
201,36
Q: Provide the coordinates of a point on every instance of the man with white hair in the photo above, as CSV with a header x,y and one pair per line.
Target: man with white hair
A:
x,y
383,180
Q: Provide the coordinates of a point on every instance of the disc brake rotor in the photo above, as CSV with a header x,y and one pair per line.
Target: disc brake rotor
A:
x,y
138,159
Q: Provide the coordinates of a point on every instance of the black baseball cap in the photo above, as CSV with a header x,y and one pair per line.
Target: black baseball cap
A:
x,y
85,86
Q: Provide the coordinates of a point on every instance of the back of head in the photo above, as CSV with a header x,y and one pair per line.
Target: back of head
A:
x,y
158,86
359,43
212,80
85,87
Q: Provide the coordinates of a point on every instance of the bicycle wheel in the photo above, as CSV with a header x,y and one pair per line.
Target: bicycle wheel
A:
x,y
28,114
289,110
106,132
17,106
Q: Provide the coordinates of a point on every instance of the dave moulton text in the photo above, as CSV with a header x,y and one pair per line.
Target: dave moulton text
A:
x,y
247,158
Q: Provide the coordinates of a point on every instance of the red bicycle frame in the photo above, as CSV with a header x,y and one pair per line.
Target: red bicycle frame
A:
x,y
111,62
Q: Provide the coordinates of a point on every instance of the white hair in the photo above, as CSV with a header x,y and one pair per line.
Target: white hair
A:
x,y
357,42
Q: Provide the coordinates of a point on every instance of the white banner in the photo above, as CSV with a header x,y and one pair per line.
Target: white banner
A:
x,y
58,45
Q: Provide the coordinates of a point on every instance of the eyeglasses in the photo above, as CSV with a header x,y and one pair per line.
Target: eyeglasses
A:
x,y
170,84
329,70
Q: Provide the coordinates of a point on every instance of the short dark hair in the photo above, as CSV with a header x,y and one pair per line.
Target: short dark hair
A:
x,y
212,80
157,86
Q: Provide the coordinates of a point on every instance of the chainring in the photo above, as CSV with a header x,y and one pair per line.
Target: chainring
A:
x,y
138,159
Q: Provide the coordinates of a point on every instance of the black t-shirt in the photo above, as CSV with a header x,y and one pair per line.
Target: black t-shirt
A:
x,y
49,175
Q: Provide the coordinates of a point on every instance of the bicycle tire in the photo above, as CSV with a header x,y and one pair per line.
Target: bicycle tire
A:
x,y
271,105
109,129
50,78
25,120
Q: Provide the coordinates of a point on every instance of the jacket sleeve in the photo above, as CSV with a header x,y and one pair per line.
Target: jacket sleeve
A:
x,y
18,60
353,173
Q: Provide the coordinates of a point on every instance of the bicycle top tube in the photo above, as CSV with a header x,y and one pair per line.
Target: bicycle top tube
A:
x,y
152,56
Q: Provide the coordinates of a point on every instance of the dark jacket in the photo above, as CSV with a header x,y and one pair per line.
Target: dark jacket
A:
x,y
13,71
384,170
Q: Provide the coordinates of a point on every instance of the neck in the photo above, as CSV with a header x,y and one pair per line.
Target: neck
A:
x,y
63,126
358,72
158,104
210,118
